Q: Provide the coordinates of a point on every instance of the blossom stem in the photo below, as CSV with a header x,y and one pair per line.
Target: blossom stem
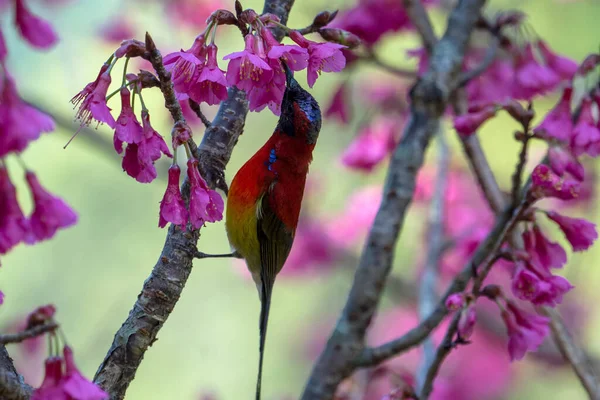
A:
x,y
28,333
125,72
112,94
188,151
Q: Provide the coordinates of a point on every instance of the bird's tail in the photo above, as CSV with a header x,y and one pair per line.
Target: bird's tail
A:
x,y
265,305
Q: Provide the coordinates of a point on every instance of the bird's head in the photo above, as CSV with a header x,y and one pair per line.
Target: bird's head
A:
x,y
300,112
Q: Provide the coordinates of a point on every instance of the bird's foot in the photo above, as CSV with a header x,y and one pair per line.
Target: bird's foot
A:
x,y
199,254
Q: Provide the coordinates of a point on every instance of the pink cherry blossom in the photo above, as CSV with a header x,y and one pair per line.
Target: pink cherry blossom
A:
x,y
294,56
545,253
455,302
466,322
373,144
271,94
586,136
51,388
75,385
1,297
531,77
339,108
211,86
323,57
14,226
558,123
579,232
20,123
494,84
38,32
92,100
50,213
561,160
185,66
128,129
192,13
117,29
546,183
248,69
206,205
172,206
139,158
356,218
468,124
563,66
526,332
538,286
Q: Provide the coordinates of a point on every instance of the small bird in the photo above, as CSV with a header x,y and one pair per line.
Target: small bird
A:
x,y
265,196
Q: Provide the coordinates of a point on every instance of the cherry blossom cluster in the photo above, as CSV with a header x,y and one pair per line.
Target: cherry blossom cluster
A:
x,y
197,78
21,124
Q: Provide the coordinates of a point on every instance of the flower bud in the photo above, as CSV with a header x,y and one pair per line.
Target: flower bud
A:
x,y
222,17
340,36
131,48
323,18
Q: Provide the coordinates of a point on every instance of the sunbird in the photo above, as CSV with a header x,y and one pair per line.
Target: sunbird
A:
x,y
265,196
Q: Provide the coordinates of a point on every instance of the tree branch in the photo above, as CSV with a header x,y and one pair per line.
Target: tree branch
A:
x,y
165,284
12,385
435,239
28,333
429,98
418,16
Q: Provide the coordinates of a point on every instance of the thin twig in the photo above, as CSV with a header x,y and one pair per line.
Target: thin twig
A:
x,y
429,97
517,177
400,72
196,108
418,16
28,333
435,240
488,59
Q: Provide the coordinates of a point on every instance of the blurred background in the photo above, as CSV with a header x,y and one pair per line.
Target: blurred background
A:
x,y
94,271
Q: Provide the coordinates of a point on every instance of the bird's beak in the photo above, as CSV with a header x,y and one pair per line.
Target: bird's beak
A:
x,y
289,75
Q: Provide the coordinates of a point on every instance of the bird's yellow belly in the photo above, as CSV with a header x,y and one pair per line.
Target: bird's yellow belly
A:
x,y
241,230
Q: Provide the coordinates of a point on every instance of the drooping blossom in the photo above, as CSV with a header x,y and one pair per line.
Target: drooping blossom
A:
x,y
139,158
467,124
562,160
50,213
206,205
455,302
92,100
586,135
185,66
294,56
323,57
561,65
339,107
75,385
372,145
38,32
51,387
539,286
127,129
20,123
117,30
558,123
271,94
172,206
211,86
531,77
494,84
546,183
526,332
545,253
579,232
14,226
248,69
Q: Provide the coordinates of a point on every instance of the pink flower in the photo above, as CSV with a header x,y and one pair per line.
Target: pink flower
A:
x,y
1,297
294,56
3,50
538,286
185,66
172,206
20,123
467,124
579,232
356,218
271,94
545,253
562,160
211,86
372,145
128,129
339,107
248,68
51,388
38,32
14,227
92,101
586,136
75,385
546,183
558,123
466,322
206,205
323,57
455,301
117,30
50,213
192,13
139,158
563,66
526,332
531,77
492,86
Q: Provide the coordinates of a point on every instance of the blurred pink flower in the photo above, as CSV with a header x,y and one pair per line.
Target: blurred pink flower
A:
x,y
339,107
455,301
579,232
51,388
117,29
1,297
172,206
558,123
373,144
542,251
357,217
539,286
546,183
37,31
322,57
50,213
526,332
561,65
75,385
3,49
561,160
585,137
14,226
532,78
193,13
467,124
466,322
